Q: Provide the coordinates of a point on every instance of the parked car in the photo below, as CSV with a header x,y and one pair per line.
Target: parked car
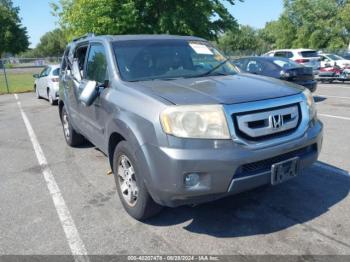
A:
x,y
46,83
333,60
332,73
306,57
278,67
178,123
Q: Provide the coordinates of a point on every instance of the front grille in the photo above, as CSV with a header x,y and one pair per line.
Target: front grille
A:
x,y
260,124
266,164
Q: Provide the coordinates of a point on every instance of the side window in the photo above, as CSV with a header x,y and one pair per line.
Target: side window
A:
x,y
45,72
280,54
96,68
65,64
240,63
323,58
254,67
289,54
79,55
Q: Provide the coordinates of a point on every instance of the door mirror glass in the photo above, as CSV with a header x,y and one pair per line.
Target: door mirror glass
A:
x,y
76,71
89,93
36,76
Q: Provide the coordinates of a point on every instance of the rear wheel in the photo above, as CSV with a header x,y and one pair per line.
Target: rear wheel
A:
x,y
72,137
37,93
130,186
52,101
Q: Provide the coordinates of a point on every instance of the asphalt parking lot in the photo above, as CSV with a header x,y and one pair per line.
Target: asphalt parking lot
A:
x,y
309,215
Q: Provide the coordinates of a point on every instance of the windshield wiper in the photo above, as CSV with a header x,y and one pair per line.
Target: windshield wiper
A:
x,y
214,68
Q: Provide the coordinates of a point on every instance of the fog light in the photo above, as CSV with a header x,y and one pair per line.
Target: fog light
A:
x,y
191,180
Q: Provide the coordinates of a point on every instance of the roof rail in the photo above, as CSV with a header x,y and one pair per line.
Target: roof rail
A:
x,y
84,36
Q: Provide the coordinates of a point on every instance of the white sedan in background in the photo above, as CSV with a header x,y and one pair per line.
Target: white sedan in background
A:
x,y
46,83
332,60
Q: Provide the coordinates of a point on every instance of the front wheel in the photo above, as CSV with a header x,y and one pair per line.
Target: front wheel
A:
x,y
130,186
72,137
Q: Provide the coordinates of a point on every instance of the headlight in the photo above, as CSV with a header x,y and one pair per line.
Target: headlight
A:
x,y
310,104
203,121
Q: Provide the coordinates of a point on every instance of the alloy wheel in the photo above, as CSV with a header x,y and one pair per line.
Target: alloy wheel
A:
x,y
65,122
127,180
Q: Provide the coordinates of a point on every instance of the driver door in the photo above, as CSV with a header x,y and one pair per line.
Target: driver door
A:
x,y
93,115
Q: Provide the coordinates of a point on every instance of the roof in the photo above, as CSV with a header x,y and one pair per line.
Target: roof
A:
x,y
268,58
291,50
139,37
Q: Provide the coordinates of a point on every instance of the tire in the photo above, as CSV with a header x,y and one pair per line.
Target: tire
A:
x,y
140,205
72,137
37,93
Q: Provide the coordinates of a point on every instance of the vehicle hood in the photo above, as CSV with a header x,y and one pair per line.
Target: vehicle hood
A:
x,y
233,89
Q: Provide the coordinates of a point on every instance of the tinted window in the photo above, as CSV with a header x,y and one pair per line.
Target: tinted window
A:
x,y
56,72
159,59
240,63
255,66
309,54
64,64
289,54
281,54
45,72
96,68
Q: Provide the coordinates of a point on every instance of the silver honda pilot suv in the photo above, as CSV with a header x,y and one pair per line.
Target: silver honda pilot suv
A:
x,y
178,123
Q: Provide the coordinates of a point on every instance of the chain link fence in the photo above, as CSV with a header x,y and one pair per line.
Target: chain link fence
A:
x,y
16,74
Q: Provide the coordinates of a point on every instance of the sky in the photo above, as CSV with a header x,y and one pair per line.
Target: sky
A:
x,y
36,15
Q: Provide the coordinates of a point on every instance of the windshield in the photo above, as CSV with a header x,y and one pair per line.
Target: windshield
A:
x,y
335,57
168,59
286,63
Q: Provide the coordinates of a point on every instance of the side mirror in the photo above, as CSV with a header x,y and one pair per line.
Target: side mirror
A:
x,y
76,70
36,76
89,93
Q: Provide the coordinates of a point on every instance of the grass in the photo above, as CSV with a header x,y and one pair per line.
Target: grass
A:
x,y
18,83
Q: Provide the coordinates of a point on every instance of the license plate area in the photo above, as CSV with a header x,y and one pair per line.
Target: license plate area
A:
x,y
285,170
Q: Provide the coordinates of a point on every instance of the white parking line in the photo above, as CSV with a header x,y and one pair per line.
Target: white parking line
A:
x,y
338,117
75,243
340,97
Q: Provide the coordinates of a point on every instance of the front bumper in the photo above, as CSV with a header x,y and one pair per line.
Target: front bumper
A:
x,y
219,167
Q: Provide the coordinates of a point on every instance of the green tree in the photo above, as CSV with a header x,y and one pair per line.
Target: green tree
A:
x,y
318,24
205,18
244,41
13,36
52,43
